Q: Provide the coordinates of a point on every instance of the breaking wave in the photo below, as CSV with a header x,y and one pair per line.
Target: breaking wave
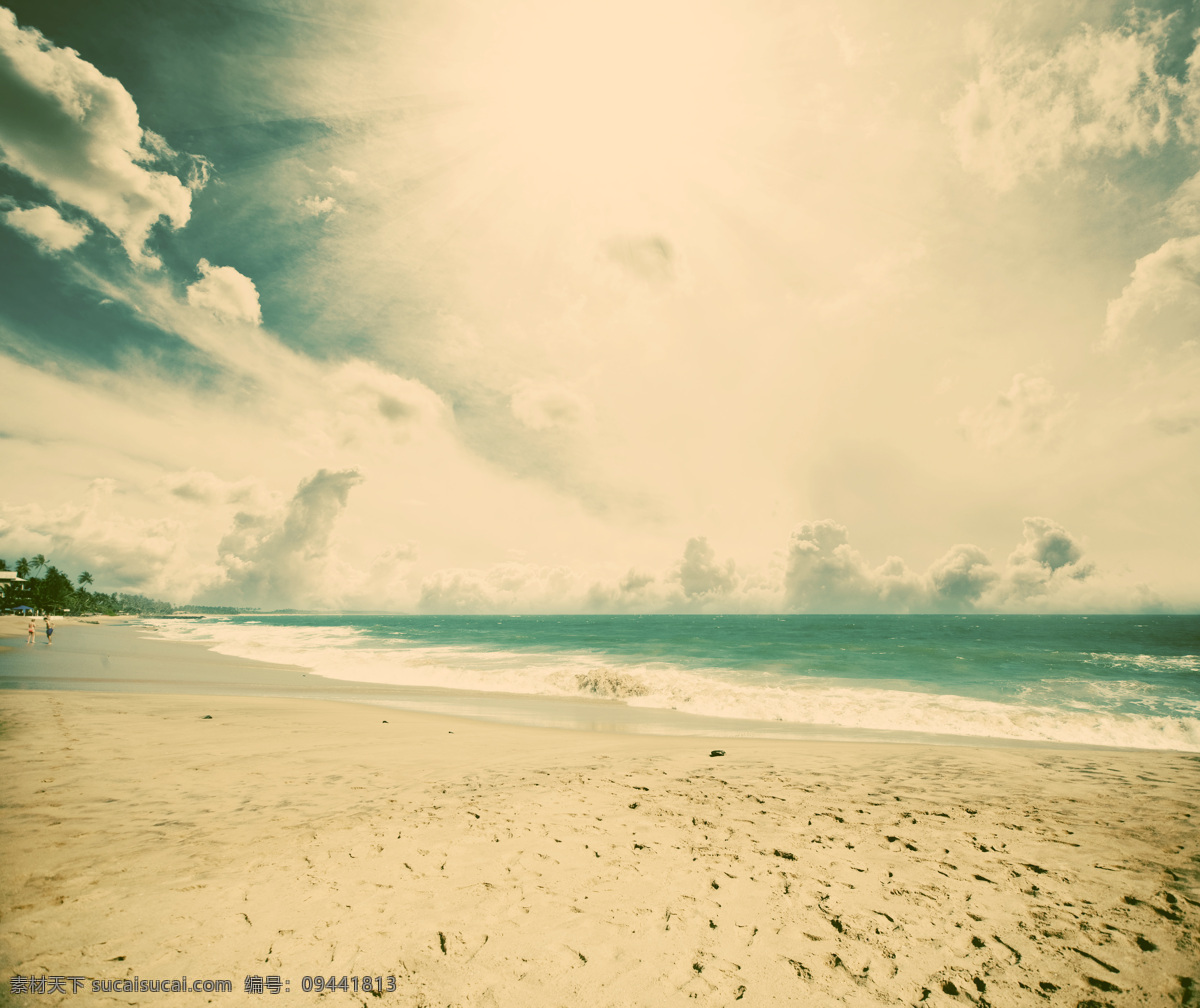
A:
x,y
1126,713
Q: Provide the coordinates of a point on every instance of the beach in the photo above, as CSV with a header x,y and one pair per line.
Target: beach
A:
x,y
182,824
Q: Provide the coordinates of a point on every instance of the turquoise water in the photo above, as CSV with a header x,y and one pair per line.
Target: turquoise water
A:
x,y
1099,680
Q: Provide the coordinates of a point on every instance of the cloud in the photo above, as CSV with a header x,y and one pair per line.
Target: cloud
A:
x,y
699,572
1174,419
320,206
825,574
697,582
323,207
125,553
282,561
503,587
1160,306
821,573
1027,411
202,487
1183,206
1047,544
1048,555
226,293
321,406
290,555
633,593
46,226
75,132
385,583
649,258
546,405
1100,92
898,588
958,579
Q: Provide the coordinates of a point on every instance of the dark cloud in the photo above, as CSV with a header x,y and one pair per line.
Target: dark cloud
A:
x,y
1048,556
958,579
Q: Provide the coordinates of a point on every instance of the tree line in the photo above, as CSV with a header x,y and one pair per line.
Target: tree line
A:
x,y
48,589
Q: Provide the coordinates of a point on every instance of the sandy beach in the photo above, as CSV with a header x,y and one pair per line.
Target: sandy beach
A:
x,y
156,834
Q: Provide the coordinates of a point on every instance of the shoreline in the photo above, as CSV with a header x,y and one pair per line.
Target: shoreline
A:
x,y
123,654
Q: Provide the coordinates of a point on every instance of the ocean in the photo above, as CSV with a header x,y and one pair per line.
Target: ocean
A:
x,y
1126,681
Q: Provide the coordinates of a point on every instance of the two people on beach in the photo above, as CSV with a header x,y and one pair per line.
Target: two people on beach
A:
x,y
31,630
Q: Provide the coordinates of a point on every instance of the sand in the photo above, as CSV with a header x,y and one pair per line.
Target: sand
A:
x,y
221,837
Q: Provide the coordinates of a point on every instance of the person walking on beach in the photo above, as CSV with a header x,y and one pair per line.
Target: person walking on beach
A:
x,y
49,628
32,630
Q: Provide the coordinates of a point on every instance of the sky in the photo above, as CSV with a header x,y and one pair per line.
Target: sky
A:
x,y
603,305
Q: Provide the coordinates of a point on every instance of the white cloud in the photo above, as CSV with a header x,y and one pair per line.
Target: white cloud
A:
x,y
898,588
825,574
199,486
503,587
283,560
323,406
76,133
386,580
1174,418
724,400
699,572
635,592
545,405
360,404
697,582
1029,111
47,227
822,573
1048,555
125,553
226,293
649,258
1160,306
320,206
1027,411
1183,207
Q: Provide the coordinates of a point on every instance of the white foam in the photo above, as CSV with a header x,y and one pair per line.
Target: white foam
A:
x,y
1083,715
1151,663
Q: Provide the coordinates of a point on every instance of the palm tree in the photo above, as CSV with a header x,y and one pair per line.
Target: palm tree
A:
x,y
82,597
38,563
22,568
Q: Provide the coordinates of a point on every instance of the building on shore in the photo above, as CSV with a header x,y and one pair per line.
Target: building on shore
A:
x,y
13,590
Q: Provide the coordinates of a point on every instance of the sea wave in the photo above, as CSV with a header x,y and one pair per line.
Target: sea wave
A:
x,y
1084,712
1149,663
